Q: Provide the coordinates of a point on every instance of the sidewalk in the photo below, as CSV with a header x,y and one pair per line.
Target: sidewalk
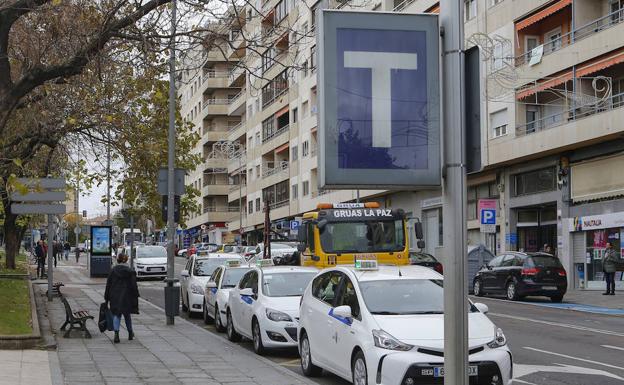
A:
x,y
595,298
25,367
160,354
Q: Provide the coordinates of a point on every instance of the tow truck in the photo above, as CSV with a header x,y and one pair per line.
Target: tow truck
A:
x,y
341,233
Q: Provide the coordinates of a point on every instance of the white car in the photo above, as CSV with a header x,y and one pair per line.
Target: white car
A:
x,y
217,292
280,252
264,306
194,277
149,261
385,325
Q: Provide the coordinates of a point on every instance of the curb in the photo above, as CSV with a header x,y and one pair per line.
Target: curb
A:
x,y
546,305
242,350
25,341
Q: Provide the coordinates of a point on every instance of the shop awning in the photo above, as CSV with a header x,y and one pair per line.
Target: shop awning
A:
x,y
543,85
282,111
597,179
434,9
544,13
282,148
600,64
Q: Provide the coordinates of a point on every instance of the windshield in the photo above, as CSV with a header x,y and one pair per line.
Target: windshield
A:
x,y
543,261
151,252
205,267
229,248
409,296
232,277
285,284
363,237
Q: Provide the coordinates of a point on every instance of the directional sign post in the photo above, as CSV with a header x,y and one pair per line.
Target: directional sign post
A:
x,y
43,197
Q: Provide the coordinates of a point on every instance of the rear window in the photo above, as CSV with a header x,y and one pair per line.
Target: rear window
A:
x,y
419,257
543,261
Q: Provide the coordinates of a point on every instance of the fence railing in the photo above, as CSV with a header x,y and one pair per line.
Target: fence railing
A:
x,y
579,33
401,6
212,74
281,166
275,134
220,209
277,205
235,187
216,102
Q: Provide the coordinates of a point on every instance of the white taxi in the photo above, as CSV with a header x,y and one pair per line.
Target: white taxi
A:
x,y
194,277
217,292
264,306
385,325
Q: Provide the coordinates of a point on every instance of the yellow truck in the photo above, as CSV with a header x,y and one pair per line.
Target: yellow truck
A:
x,y
340,233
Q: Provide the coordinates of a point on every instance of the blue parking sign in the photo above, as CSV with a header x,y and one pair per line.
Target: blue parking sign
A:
x,y
379,100
294,225
488,216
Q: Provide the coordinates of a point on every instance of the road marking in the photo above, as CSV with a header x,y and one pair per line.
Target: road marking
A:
x,y
557,324
295,362
521,370
559,306
612,347
574,358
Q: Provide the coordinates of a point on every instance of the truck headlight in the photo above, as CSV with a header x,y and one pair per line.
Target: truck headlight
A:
x,y
197,289
277,316
386,341
499,340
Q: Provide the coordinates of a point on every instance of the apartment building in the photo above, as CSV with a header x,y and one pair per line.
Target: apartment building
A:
x,y
551,126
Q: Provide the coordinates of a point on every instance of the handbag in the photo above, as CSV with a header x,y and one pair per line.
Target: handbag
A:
x,y
105,321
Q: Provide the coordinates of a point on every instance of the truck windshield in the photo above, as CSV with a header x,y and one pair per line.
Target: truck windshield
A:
x,y
363,237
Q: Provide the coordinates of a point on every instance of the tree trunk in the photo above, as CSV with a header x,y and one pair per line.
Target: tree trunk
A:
x,y
12,238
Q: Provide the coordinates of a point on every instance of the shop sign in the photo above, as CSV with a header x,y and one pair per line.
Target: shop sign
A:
x,y
511,238
594,222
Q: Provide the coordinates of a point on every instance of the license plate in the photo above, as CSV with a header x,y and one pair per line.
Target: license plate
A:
x,y
439,371
549,287
155,269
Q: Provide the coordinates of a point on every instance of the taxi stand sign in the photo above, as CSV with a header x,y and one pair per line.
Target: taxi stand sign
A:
x,y
379,100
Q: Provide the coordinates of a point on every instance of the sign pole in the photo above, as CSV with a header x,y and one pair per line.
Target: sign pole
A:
x,y
454,192
50,255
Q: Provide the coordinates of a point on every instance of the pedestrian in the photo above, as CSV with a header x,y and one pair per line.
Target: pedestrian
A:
x,y
66,250
122,295
40,255
56,250
609,260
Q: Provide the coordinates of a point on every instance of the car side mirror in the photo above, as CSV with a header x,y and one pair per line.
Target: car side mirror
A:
x,y
418,229
483,308
343,311
302,234
420,244
184,273
321,224
211,285
247,292
301,247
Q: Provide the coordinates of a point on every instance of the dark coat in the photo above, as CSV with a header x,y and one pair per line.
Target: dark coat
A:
x,y
40,252
121,290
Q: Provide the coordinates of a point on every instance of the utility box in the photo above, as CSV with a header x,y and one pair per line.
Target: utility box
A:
x,y
172,300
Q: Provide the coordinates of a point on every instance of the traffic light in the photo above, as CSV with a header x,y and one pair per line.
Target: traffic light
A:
x,y
176,209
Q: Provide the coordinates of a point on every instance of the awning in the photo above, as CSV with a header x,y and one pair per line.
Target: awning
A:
x,y
597,179
600,64
282,111
434,9
544,13
282,148
545,84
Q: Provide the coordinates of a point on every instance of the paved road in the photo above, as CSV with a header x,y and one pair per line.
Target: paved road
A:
x,y
551,346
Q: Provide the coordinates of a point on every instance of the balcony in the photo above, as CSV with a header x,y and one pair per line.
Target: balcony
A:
x,y
279,168
238,104
237,161
233,195
215,189
237,131
215,79
212,134
213,162
236,77
220,213
216,106
275,134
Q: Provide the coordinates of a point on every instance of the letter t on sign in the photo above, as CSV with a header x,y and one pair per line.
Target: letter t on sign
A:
x,y
381,64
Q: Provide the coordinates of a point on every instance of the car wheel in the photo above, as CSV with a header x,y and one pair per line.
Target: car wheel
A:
x,y
205,314
217,320
556,298
257,338
307,367
476,288
359,375
231,331
512,292
184,307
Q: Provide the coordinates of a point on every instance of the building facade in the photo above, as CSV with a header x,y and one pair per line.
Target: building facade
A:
x,y
550,92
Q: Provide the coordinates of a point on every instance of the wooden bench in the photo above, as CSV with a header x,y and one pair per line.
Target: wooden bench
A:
x,y
56,288
75,319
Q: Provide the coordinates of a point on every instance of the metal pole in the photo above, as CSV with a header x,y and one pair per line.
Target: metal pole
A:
x,y
131,240
454,192
170,165
50,254
77,206
108,179
240,202
357,196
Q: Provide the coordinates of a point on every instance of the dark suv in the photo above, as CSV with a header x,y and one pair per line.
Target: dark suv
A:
x,y
517,275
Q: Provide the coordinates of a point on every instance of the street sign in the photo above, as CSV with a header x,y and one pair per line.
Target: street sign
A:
x,y
43,183
176,208
178,182
294,226
379,100
77,230
30,208
487,215
48,196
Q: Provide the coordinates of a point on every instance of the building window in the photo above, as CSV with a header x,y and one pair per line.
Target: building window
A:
x,y
470,9
295,113
498,122
295,191
552,40
536,181
258,171
250,173
250,207
257,204
258,139
294,153
268,128
304,109
482,191
274,89
305,148
313,18
532,118
313,58
304,68
306,188
494,2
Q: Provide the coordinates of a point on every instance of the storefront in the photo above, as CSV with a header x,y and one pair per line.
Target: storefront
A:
x,y
590,234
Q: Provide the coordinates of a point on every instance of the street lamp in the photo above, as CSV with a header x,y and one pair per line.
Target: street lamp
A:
x,y
234,150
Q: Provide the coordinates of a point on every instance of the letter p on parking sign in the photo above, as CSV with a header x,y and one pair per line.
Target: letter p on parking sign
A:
x,y
378,100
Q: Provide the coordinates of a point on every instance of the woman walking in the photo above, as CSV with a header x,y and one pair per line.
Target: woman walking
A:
x,y
122,295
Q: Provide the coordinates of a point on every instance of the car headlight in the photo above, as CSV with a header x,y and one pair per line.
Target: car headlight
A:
x,y
197,289
499,340
277,316
386,341
140,266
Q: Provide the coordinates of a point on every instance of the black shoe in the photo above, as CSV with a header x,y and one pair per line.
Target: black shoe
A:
x,y
130,336
607,293
116,339
612,293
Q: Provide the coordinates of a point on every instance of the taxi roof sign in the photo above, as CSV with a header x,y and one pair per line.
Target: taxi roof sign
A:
x,y
232,263
367,205
366,264
264,262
